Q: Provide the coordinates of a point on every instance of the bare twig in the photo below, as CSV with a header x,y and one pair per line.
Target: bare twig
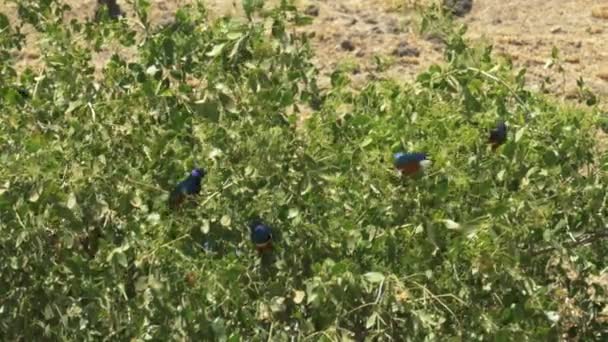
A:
x,y
147,255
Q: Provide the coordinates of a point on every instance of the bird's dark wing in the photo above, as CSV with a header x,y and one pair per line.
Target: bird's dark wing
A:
x,y
177,196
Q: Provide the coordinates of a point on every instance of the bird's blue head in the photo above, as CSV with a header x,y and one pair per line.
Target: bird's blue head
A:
x,y
398,156
198,173
260,233
401,158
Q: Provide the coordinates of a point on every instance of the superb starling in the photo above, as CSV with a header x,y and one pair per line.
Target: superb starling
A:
x,y
498,135
261,236
410,163
188,187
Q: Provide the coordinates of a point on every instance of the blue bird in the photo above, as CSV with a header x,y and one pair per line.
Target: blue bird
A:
x,y
188,187
24,93
410,163
498,135
261,236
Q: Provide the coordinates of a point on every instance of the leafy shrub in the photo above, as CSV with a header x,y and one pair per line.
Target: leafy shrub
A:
x,y
479,248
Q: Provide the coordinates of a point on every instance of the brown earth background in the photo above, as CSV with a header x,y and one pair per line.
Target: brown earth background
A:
x,y
355,34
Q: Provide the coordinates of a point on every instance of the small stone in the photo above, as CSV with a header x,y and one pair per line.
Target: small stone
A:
x,y
377,30
352,22
459,8
312,10
344,9
347,45
371,21
372,77
603,75
571,94
600,12
393,26
497,21
513,40
572,60
594,30
360,53
435,40
557,29
114,10
165,19
404,50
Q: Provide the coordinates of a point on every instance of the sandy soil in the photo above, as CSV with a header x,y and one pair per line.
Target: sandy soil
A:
x,y
377,38
527,30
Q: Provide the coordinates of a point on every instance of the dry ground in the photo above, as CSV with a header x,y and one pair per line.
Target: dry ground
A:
x,y
527,30
377,38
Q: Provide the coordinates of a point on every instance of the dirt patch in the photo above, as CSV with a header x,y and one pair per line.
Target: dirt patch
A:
x,y
527,31
370,40
374,39
600,12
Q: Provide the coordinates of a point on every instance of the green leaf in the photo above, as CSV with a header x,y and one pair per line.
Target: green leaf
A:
x,y
278,304
4,187
374,277
153,218
234,35
449,224
371,321
500,176
152,70
250,6
121,258
205,227
366,142
119,254
34,194
209,109
71,202
298,296
520,132
225,221
293,213
141,283
216,50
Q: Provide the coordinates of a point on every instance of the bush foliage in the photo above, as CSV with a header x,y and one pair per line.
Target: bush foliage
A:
x,y
486,245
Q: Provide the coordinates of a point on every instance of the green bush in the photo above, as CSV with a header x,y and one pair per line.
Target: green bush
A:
x,y
485,246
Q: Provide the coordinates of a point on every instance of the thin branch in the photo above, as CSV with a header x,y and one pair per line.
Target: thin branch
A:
x,y
586,240
92,111
147,255
226,186
151,187
438,300
504,83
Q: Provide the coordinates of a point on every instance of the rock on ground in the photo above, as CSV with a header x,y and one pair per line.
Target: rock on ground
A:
x,y
459,8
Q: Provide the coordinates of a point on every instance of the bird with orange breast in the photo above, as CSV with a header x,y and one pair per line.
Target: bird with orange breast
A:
x,y
410,163
498,135
261,236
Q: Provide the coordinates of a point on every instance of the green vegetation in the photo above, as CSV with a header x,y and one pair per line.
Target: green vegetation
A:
x,y
489,246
